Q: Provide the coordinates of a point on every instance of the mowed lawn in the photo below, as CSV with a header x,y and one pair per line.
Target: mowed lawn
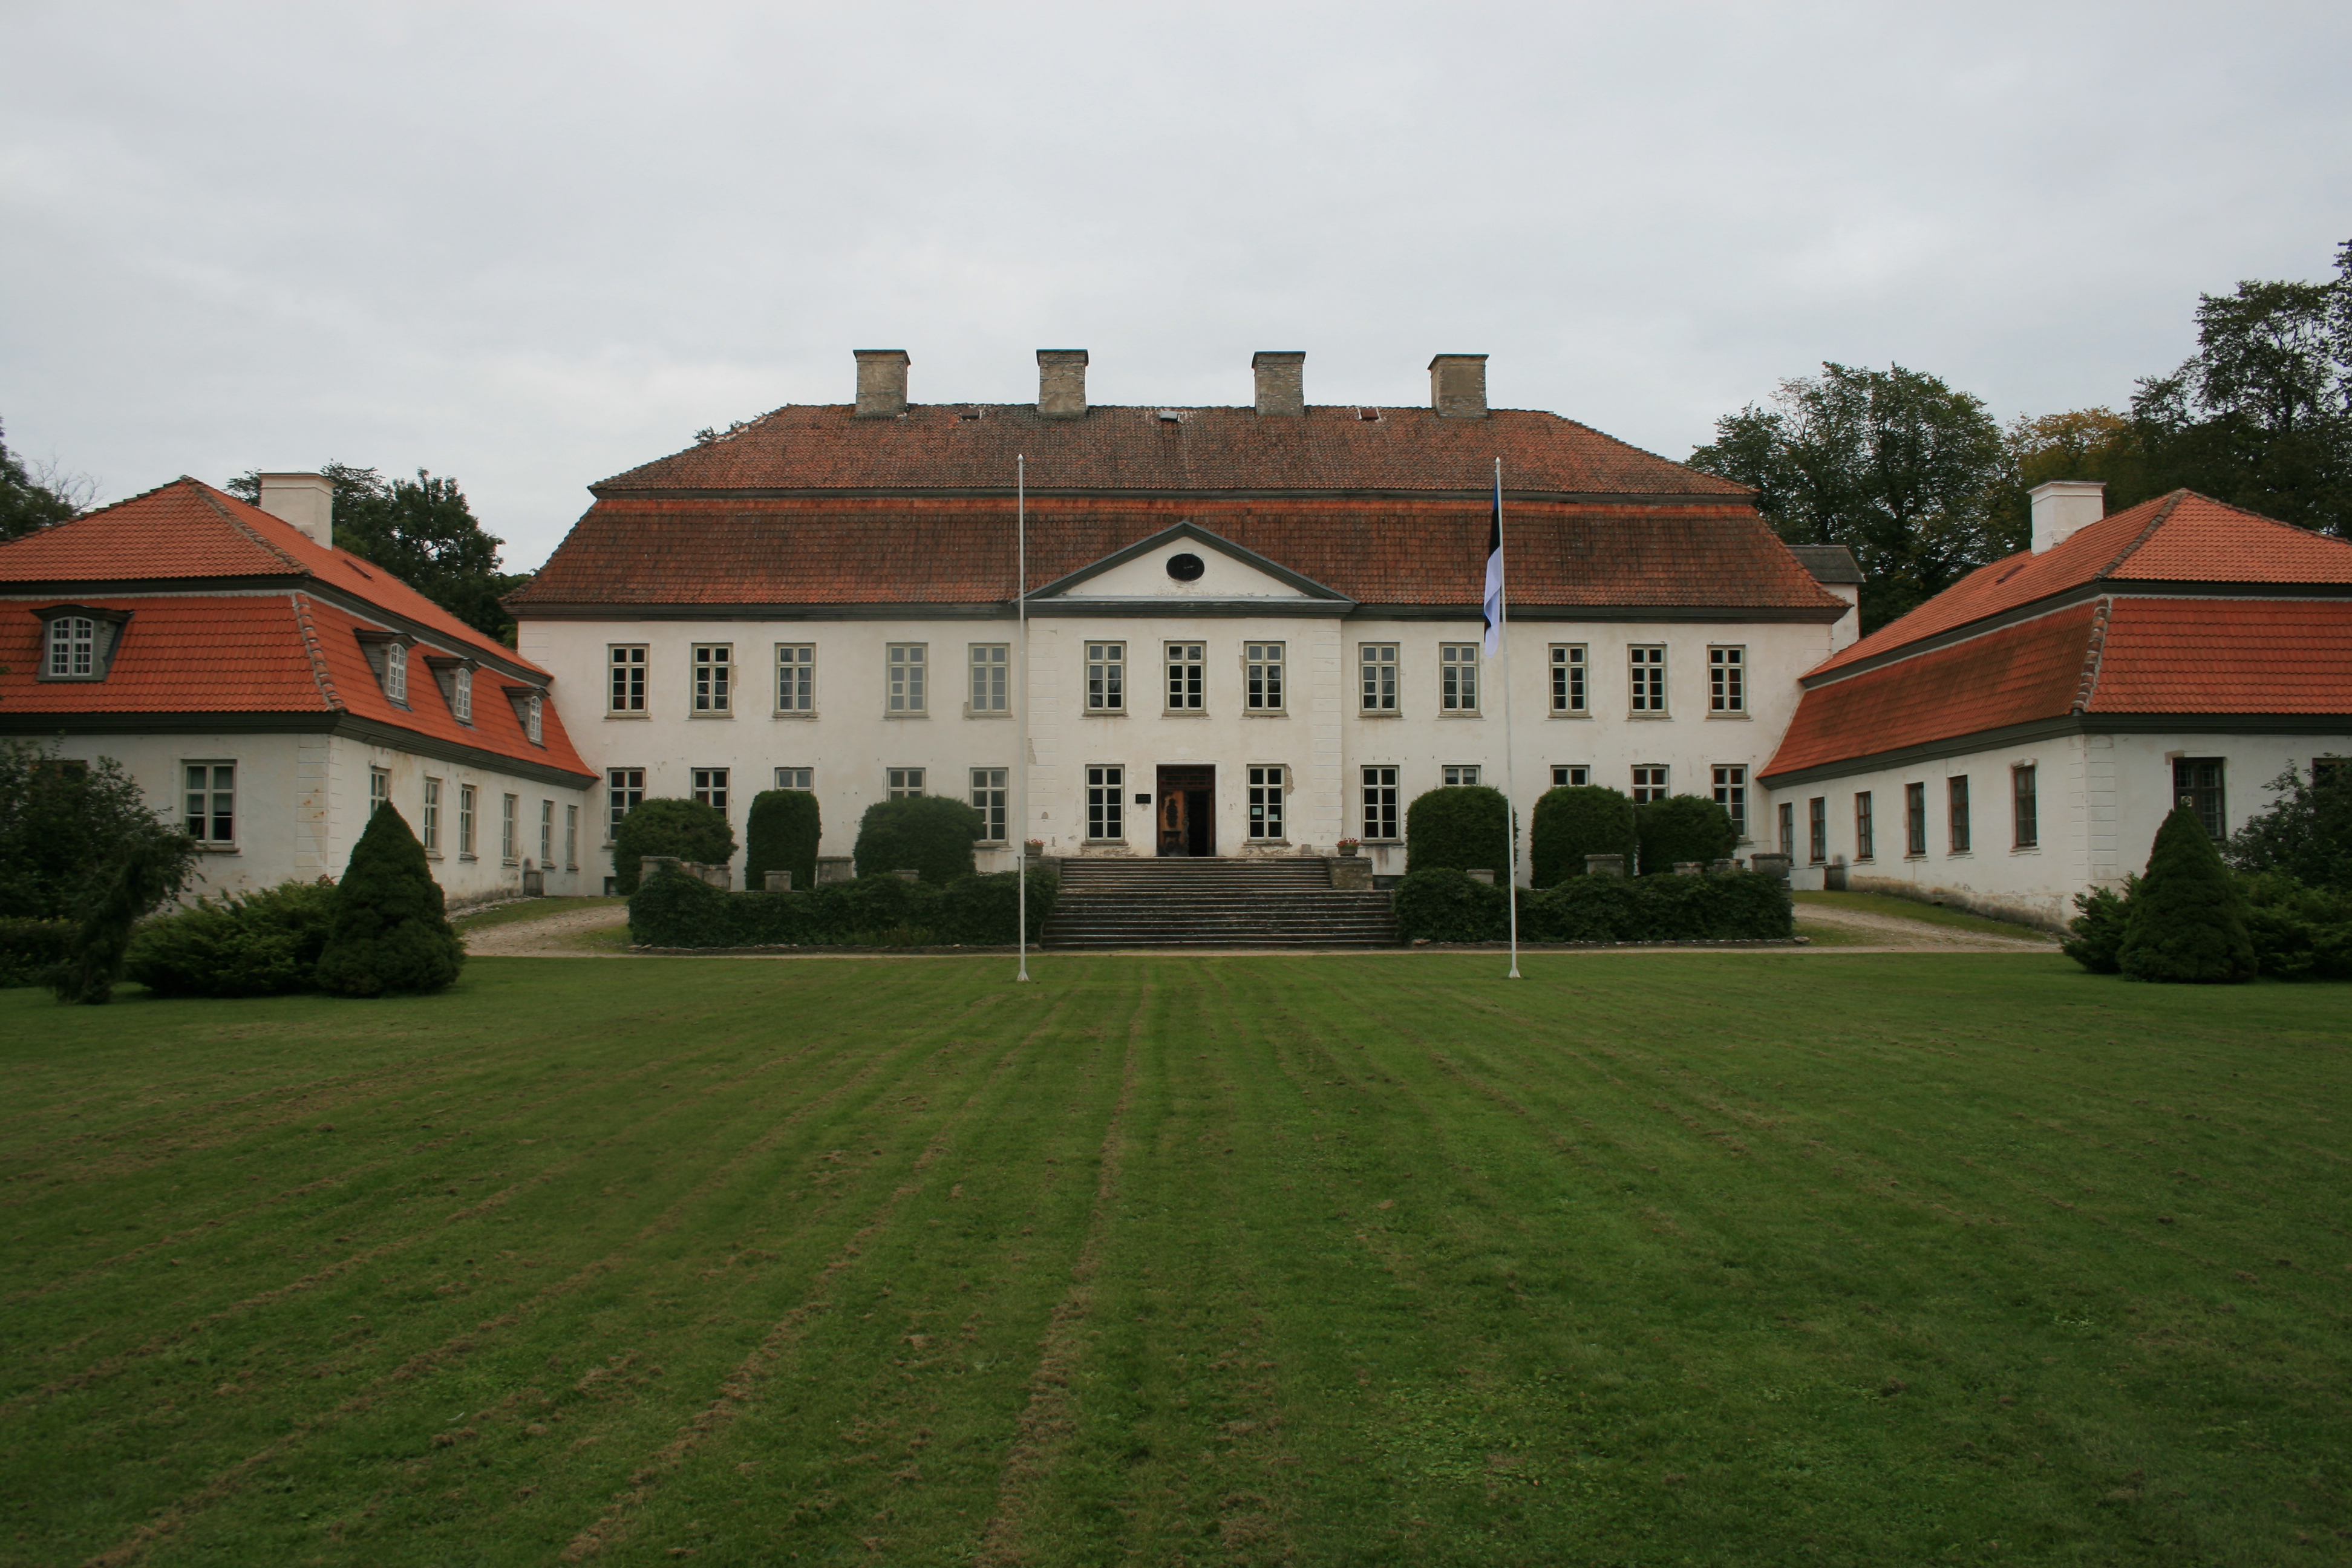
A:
x,y
1719,1258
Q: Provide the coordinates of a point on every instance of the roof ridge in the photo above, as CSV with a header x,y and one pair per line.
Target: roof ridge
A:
x,y
238,523
2164,510
2094,656
312,646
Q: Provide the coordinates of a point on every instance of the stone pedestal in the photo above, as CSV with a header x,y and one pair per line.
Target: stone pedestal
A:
x,y
534,883
1721,868
1604,864
907,874
778,882
1833,877
1485,877
1775,866
835,869
1351,872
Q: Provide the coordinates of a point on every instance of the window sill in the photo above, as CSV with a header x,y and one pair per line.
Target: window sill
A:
x,y
1569,713
1265,712
463,857
1377,714
1103,842
623,716
727,715
434,855
796,713
1731,716
1270,843
1443,714
1183,712
2025,848
1103,713
1649,715
906,715
509,863
1959,855
972,712
217,848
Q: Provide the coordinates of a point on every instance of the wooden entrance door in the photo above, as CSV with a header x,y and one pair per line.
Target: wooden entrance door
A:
x,y
1187,810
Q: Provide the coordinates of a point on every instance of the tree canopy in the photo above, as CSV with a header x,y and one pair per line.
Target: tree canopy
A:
x,y
29,500
421,530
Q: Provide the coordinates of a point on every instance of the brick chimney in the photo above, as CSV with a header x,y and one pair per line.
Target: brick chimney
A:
x,y
1457,386
1062,383
2063,507
306,501
881,382
1281,383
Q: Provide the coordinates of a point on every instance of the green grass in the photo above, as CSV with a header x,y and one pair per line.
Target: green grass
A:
x,y
530,910
1913,910
1710,1258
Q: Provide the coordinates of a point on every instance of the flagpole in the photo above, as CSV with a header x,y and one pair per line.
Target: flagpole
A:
x,y
1510,770
1021,706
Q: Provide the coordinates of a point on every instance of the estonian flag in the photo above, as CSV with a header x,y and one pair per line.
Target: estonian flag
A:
x,y
1494,603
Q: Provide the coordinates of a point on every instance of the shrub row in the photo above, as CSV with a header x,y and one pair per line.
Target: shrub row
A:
x,y
242,944
1733,906
672,910
29,949
2296,932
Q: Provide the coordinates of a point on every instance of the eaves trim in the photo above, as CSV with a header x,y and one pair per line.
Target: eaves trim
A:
x,y
2065,724
308,723
1741,499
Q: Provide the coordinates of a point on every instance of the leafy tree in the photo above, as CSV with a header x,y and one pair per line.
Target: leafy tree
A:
x,y
2307,834
1682,827
2080,444
929,834
31,500
2187,919
422,531
1894,465
62,823
685,829
147,869
2261,416
1574,821
780,833
1465,828
391,928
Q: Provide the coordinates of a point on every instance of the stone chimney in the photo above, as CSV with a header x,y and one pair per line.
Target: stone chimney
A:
x,y
306,501
1062,383
1281,383
2063,507
1457,386
881,382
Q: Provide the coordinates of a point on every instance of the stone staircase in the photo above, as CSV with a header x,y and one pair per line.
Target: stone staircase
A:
x,y
1233,902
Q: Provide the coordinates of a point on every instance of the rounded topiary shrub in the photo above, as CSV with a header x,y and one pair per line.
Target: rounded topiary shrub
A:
x,y
1574,821
929,834
2095,937
261,943
1682,827
2188,919
780,834
685,829
1461,828
1446,904
676,910
390,931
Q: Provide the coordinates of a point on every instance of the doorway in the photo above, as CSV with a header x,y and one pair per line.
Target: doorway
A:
x,y
1188,810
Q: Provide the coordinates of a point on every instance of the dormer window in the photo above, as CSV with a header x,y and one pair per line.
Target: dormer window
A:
x,y
395,673
461,696
387,655
531,718
77,642
529,708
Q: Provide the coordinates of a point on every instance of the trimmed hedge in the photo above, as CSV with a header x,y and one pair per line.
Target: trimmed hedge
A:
x,y
1574,821
391,928
1732,906
1682,827
685,829
262,943
929,834
872,911
29,949
1461,828
780,833
2299,932
2188,919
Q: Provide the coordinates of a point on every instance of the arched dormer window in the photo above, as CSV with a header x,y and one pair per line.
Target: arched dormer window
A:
x,y
78,643
396,673
461,695
531,718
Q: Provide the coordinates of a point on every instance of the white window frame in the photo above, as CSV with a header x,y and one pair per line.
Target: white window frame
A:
x,y
570,837
712,787
1731,793
509,827
905,672
461,696
714,680
797,678
396,673
801,778
205,792
1727,678
624,791
1186,665
534,719
1651,781
1382,818
546,833
990,680
428,820
1457,678
466,794
902,783
1106,803
1265,678
991,792
1267,785
2025,806
72,648
1645,680
1105,676
379,790
1572,775
624,689
1377,674
1462,775
1572,684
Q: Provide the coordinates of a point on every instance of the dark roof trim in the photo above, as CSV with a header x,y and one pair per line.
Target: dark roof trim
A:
x,y
2068,724
1195,533
1695,615
607,491
313,723
1828,563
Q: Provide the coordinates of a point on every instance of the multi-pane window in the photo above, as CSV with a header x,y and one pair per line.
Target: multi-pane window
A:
x,y
546,833
1380,802
1731,793
73,648
796,778
1575,775
1188,677
795,678
1789,829
988,794
1646,672
714,677
1458,774
910,691
429,823
1865,833
379,790
2197,784
571,837
534,719
709,787
396,673
902,783
507,828
624,791
1457,677
1106,797
461,696
1817,827
626,693
991,678
1262,677
1914,819
1648,783
1265,802
1377,664
465,820
1726,681
211,805
1956,792
1568,691
2025,809
1106,677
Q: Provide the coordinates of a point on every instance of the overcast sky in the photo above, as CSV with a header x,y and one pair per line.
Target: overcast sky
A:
x,y
533,246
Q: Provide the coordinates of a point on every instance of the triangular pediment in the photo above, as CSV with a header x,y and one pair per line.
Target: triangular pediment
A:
x,y
1186,565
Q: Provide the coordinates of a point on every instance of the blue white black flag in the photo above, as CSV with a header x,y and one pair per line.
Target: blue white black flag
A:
x,y
1494,600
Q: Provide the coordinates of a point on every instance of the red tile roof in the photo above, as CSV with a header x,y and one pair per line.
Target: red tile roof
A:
x,y
933,446
642,552
2226,656
189,529
2183,537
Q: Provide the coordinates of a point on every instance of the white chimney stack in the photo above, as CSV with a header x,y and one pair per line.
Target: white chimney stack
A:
x,y
2062,508
306,501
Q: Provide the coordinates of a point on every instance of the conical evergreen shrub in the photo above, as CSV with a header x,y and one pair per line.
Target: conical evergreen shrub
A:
x,y
2188,919
390,931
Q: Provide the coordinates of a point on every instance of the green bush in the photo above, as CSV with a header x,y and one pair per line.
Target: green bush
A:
x,y
1574,821
63,826
1446,904
2299,932
929,834
1463,828
149,869
2306,834
30,949
2187,919
685,829
1682,827
873,912
242,944
1732,906
780,833
2094,936
390,930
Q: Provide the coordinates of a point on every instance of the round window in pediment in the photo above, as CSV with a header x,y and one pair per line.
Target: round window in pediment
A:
x,y
1185,568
